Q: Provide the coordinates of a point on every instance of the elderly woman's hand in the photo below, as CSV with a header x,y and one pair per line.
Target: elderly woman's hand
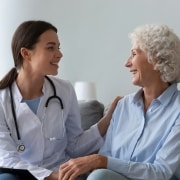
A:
x,y
75,167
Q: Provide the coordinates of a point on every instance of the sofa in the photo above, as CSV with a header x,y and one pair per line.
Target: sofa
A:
x,y
91,112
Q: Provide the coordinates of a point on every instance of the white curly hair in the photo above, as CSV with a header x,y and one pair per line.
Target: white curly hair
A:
x,y
162,47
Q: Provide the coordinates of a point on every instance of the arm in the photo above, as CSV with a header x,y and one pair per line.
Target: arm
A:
x,y
80,142
166,160
104,122
84,142
52,176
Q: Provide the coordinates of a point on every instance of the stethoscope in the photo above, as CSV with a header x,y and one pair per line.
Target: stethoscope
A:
x,y
21,146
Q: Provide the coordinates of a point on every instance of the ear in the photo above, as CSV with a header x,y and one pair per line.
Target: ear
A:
x,y
25,53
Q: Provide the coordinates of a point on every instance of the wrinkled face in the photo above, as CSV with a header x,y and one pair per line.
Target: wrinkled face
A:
x,y
44,58
143,72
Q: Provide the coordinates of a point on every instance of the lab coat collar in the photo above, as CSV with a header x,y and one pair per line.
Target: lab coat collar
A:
x,y
17,93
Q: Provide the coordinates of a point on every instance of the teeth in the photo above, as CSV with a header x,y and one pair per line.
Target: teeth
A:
x,y
133,71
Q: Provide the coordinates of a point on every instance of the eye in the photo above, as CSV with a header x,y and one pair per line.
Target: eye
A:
x,y
50,48
133,54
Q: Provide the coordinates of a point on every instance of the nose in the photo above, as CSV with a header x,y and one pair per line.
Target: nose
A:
x,y
59,54
128,62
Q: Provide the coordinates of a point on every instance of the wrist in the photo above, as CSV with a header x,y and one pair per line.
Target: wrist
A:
x,y
100,161
52,176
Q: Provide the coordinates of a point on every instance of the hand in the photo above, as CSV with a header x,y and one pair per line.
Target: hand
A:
x,y
104,122
75,167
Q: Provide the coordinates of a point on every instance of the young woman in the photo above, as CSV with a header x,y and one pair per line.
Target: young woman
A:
x,y
39,117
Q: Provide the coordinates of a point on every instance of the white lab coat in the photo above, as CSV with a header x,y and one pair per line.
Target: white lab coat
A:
x,y
41,155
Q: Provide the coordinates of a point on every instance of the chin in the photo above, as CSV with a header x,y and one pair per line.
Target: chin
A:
x,y
135,83
52,73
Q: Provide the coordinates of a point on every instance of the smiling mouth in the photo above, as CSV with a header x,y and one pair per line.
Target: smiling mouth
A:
x,y
54,63
133,71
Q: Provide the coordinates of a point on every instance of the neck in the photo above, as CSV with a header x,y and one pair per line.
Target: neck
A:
x,y
30,87
151,93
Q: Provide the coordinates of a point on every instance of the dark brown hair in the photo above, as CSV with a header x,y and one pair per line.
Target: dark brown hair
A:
x,y
26,35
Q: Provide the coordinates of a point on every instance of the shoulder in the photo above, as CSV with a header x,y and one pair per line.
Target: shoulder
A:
x,y
129,98
63,87
5,102
4,93
60,82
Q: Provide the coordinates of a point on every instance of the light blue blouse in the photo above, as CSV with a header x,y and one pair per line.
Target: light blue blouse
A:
x,y
145,145
33,104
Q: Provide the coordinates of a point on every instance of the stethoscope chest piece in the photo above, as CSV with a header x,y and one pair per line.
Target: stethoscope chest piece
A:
x,y
20,148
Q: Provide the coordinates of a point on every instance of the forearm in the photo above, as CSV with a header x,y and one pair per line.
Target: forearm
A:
x,y
138,170
52,176
104,122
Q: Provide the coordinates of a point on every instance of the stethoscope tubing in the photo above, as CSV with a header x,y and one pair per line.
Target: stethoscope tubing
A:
x,y
14,114
21,147
55,95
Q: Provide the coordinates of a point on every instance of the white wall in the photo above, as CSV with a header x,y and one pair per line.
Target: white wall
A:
x,y
93,35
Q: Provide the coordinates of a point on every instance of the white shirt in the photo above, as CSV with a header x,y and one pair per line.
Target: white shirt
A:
x,y
41,155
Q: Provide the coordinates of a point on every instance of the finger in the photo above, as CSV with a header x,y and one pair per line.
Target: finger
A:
x,y
62,166
74,175
116,100
63,170
113,105
69,175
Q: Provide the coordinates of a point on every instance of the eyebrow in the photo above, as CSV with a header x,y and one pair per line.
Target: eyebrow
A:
x,y
137,50
53,43
134,50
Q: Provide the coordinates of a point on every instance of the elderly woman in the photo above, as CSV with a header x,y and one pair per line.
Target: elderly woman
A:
x,y
143,140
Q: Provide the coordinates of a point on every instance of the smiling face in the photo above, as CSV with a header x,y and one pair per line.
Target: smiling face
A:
x,y
143,73
43,59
